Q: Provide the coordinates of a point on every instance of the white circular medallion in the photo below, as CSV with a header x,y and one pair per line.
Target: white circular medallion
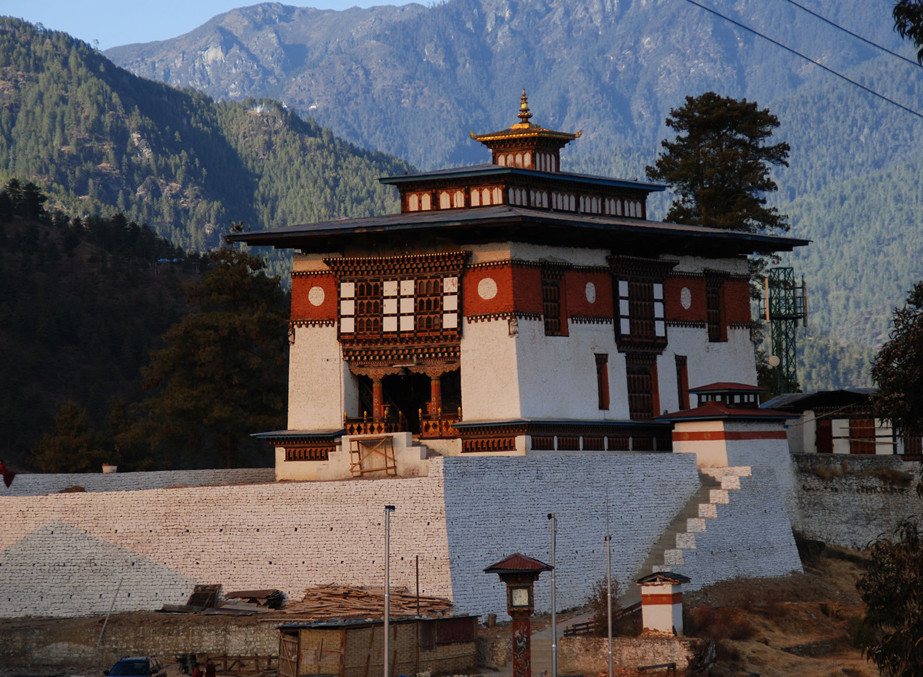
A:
x,y
487,288
316,296
591,292
685,297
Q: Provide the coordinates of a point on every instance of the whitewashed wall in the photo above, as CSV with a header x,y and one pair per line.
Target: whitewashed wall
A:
x,y
320,385
750,538
497,507
33,484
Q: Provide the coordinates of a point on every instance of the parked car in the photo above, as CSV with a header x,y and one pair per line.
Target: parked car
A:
x,y
137,666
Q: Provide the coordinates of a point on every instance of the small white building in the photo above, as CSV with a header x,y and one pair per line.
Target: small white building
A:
x,y
841,422
511,308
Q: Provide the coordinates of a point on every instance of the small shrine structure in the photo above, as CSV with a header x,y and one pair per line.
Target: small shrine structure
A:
x,y
510,308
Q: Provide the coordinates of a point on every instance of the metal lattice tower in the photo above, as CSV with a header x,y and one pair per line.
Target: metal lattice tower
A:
x,y
786,305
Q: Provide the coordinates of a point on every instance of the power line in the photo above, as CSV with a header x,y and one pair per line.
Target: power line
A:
x,y
808,59
858,37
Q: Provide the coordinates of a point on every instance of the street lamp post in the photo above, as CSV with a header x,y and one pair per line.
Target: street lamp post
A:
x,y
388,510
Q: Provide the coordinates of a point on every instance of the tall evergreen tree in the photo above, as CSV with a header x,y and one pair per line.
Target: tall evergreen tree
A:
x,y
908,21
223,373
719,164
898,369
72,446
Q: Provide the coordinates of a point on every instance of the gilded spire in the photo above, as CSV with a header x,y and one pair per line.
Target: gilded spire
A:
x,y
524,113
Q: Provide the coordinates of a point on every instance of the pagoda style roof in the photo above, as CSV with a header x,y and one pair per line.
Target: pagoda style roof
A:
x,y
517,563
493,170
525,131
503,223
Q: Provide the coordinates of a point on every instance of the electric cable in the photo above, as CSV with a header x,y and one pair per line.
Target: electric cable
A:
x,y
808,59
858,37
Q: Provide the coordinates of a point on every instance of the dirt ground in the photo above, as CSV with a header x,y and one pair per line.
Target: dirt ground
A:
x,y
798,625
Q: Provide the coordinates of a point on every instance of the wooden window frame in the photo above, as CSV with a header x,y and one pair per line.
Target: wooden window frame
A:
x,y
554,310
682,382
602,380
643,403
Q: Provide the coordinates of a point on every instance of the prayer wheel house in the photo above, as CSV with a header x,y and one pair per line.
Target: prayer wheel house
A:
x,y
510,308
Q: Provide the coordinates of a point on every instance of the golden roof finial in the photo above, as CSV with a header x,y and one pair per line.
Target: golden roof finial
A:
x,y
524,113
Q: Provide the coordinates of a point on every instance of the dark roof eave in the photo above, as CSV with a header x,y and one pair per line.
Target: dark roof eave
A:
x,y
284,238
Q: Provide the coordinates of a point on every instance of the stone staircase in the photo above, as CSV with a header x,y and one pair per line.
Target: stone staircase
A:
x,y
715,485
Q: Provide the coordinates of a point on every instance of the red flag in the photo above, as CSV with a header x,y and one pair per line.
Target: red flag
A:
x,y
8,475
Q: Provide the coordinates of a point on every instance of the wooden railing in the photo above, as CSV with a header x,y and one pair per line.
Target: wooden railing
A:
x,y
360,426
442,426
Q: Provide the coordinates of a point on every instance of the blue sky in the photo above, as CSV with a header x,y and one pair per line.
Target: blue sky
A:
x,y
120,22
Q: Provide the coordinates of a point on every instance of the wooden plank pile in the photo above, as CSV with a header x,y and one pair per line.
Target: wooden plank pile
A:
x,y
327,602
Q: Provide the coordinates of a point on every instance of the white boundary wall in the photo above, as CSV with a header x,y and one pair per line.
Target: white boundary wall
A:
x,y
29,484
64,554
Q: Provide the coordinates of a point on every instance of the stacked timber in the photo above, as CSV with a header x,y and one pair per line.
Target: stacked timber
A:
x,y
326,602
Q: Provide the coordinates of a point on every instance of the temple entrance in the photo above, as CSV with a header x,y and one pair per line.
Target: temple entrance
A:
x,y
404,396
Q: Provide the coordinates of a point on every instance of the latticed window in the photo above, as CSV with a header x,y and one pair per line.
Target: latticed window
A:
x,y
551,306
714,312
641,311
429,305
368,309
553,302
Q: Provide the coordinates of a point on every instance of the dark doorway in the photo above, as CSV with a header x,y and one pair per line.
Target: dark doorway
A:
x,y
405,394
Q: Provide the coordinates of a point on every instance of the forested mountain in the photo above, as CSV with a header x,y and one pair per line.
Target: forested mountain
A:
x,y
413,80
82,302
98,139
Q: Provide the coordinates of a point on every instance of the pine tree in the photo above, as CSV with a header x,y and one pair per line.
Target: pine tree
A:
x,y
223,374
71,447
908,22
898,369
719,164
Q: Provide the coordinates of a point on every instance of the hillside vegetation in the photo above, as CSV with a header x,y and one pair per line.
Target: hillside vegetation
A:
x,y
412,80
82,302
98,139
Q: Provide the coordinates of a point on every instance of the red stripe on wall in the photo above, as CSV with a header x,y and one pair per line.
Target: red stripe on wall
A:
x,y
729,435
675,598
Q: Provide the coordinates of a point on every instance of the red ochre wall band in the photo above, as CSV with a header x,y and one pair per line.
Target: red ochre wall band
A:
x,y
303,308
733,435
674,598
517,288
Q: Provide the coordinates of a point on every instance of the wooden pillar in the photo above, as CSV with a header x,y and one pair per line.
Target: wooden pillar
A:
x,y
522,646
378,408
435,397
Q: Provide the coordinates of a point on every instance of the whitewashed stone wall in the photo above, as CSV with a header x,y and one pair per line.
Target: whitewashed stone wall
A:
x,y
847,500
285,535
26,484
750,538
64,554
498,506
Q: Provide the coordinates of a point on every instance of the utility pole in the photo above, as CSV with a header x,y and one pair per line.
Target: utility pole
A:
x,y
609,599
554,611
388,510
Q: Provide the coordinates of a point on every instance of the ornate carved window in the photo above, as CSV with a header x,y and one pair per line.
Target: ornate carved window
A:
x,y
407,299
640,319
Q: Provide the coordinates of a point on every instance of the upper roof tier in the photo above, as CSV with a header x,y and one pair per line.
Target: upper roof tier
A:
x,y
522,196
525,144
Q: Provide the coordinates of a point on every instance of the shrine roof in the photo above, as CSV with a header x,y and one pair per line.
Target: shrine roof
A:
x,y
517,562
801,402
492,170
663,577
716,411
727,387
294,435
510,223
